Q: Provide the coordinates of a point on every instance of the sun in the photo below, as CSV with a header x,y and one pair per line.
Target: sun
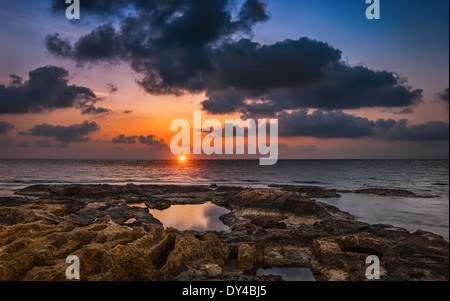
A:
x,y
182,158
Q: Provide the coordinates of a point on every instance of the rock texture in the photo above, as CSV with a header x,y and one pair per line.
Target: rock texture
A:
x,y
276,227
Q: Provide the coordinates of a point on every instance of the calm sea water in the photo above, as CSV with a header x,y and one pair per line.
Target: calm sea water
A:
x,y
425,177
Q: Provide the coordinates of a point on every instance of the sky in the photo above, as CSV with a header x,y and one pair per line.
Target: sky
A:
x,y
110,84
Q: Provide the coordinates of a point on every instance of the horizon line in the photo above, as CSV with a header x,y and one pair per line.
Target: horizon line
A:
x,y
323,159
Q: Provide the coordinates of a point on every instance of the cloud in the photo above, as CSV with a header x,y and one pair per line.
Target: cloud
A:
x,y
46,90
15,80
391,130
128,112
112,88
122,139
58,47
202,46
5,127
444,95
65,134
101,44
92,110
321,124
338,124
163,36
405,111
151,140
338,87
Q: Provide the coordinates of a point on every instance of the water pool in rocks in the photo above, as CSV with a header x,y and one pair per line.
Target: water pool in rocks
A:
x,y
203,217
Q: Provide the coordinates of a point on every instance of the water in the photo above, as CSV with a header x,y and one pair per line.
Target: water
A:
x,y
203,217
425,177
410,213
289,274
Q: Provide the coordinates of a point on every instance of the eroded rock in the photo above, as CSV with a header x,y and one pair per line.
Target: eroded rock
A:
x,y
277,227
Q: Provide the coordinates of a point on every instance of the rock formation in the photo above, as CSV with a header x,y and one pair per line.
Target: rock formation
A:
x,y
275,227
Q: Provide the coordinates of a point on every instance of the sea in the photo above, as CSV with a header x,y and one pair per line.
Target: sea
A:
x,y
424,177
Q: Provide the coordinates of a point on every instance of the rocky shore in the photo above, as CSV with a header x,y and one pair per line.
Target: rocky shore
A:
x,y
276,227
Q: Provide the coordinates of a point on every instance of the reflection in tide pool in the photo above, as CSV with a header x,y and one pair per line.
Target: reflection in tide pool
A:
x,y
289,274
203,217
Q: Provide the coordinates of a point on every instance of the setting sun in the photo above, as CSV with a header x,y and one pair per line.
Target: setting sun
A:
x,y
182,158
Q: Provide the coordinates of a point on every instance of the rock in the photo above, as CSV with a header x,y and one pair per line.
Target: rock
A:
x,y
129,192
310,191
246,257
188,249
12,216
213,270
346,255
267,222
285,202
270,278
391,192
276,227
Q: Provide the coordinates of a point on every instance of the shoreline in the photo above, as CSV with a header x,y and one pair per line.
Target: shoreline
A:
x,y
268,228
311,189
393,204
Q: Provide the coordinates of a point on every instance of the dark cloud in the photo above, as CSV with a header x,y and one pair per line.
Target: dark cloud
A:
x,y
405,111
151,140
112,88
338,124
46,90
92,110
128,112
322,124
249,66
183,46
252,12
101,44
339,87
65,134
5,127
59,47
222,102
122,139
15,80
444,95
391,130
